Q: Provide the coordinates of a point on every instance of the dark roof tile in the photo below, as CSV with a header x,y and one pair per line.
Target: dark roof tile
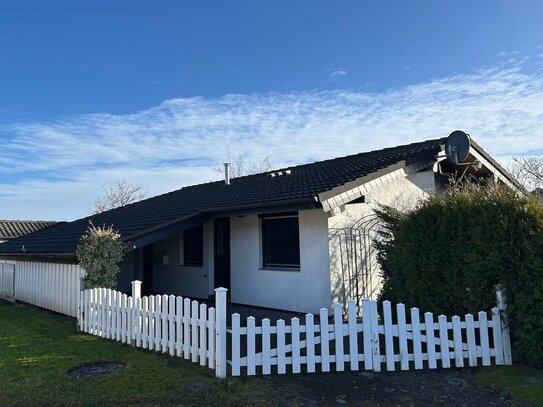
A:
x,y
11,229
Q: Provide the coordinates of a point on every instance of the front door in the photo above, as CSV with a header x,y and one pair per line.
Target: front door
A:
x,y
222,253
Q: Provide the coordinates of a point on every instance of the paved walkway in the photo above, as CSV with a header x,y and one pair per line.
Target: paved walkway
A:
x,y
259,313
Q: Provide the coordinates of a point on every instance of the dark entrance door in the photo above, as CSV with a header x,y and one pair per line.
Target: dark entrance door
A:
x,y
147,269
222,253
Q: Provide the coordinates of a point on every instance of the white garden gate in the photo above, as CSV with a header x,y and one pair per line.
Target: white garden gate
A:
x,y
358,344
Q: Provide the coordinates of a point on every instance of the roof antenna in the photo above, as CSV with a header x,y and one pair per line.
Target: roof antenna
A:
x,y
227,173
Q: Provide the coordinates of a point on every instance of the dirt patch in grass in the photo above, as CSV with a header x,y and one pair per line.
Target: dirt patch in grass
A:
x,y
88,370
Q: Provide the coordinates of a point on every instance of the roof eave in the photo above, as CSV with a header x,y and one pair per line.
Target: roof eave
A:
x,y
40,256
498,168
197,218
305,203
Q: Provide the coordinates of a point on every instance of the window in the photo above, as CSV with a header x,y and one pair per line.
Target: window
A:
x,y
280,241
193,246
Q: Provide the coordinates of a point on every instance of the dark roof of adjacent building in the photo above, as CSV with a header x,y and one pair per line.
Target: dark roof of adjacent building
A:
x,y
12,229
301,183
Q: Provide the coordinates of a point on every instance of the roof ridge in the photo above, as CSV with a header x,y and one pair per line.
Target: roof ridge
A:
x,y
351,155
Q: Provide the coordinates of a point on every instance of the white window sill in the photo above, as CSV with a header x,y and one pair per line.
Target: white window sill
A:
x,y
280,269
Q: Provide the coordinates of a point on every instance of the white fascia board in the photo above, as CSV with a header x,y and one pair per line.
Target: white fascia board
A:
x,y
492,168
381,182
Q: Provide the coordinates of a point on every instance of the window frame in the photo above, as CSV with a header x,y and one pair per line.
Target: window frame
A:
x,y
270,265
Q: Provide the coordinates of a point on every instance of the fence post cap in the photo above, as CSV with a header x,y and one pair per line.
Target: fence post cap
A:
x,y
136,289
221,290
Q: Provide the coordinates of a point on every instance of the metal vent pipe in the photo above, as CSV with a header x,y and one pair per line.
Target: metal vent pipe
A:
x,y
227,173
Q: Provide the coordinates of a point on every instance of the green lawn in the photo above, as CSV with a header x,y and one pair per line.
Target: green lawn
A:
x,y
523,383
37,348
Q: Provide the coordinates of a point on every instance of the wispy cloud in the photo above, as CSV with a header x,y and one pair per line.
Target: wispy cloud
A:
x,y
55,169
333,75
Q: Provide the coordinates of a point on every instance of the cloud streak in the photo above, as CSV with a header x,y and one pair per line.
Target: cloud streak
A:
x,y
337,74
179,142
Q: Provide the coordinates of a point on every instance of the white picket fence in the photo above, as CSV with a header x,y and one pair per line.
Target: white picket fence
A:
x,y
389,339
167,324
357,343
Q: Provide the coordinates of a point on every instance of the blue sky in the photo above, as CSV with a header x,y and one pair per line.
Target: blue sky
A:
x,y
156,92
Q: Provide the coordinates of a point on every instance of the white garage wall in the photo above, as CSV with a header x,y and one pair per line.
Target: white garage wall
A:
x,y
53,286
306,290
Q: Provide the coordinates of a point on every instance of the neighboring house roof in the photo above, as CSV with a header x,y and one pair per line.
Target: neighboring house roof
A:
x,y
298,184
12,229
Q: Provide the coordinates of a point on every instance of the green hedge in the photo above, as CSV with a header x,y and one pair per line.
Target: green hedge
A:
x,y
448,255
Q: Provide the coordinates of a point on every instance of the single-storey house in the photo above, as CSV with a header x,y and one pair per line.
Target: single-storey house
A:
x,y
295,238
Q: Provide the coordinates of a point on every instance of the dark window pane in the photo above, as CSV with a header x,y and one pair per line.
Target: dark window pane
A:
x,y
281,243
193,246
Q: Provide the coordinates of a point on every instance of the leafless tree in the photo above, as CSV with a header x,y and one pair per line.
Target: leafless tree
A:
x,y
239,166
120,194
528,170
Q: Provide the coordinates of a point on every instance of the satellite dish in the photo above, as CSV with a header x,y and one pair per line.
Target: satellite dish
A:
x,y
457,146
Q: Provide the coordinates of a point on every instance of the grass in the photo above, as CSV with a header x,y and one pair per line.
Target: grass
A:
x,y
523,383
37,348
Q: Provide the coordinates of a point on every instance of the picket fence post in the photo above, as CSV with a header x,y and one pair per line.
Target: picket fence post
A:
x,y
80,313
136,289
220,332
501,301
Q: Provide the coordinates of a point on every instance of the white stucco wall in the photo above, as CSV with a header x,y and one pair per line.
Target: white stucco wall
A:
x,y
306,290
175,278
403,194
